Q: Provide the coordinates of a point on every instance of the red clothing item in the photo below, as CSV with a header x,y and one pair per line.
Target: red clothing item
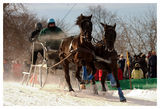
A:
x,y
17,69
120,74
100,74
96,76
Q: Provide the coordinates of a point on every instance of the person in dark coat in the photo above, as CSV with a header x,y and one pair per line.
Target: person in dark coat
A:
x,y
143,64
121,62
37,47
153,65
35,33
48,34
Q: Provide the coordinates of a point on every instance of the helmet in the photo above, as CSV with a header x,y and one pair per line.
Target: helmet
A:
x,y
51,20
38,26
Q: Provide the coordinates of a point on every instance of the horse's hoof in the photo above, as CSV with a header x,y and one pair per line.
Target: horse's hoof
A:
x,y
71,90
82,86
95,90
73,93
123,100
104,89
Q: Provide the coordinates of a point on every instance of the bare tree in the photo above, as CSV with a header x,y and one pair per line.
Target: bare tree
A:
x,y
143,31
17,26
63,25
134,34
100,14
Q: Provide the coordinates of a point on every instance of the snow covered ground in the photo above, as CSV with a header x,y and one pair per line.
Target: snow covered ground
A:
x,y
14,94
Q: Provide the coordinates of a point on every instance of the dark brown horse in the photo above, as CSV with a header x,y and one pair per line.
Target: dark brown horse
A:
x,y
106,50
84,55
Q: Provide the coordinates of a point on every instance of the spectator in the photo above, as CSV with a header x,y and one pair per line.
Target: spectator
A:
x,y
17,69
137,72
120,73
153,65
121,62
128,69
6,68
143,64
135,59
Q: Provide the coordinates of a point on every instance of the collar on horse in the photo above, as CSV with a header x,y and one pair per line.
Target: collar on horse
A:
x,y
85,38
109,50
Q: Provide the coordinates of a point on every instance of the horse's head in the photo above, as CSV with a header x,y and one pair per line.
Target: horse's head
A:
x,y
85,24
110,36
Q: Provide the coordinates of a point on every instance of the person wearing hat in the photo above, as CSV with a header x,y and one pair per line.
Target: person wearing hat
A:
x,y
33,38
47,34
121,63
51,28
35,33
143,64
137,72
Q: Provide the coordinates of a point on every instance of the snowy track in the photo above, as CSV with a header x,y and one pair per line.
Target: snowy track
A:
x,y
51,95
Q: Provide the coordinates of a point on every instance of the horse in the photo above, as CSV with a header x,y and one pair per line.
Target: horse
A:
x,y
105,49
84,55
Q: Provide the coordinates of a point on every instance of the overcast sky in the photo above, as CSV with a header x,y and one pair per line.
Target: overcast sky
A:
x,y
58,11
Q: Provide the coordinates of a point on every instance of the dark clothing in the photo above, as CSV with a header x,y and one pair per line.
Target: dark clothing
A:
x,y
143,65
120,74
52,32
153,66
49,31
35,55
34,35
121,63
37,47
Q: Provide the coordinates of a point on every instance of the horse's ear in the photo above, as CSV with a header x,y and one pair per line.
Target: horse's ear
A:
x,y
102,24
90,17
114,26
81,14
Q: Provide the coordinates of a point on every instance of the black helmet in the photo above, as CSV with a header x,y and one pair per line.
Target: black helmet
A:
x,y
38,26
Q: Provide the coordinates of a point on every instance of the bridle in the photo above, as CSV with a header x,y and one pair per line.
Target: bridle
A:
x,y
108,40
84,33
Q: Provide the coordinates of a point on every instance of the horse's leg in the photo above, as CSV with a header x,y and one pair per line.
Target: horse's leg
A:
x,y
103,78
81,82
120,93
78,68
67,77
91,77
78,75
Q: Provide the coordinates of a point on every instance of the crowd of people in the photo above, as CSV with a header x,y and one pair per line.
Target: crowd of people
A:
x,y
140,66
14,68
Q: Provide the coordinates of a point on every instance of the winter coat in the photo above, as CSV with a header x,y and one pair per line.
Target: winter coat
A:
x,y
34,35
47,31
153,66
46,36
121,63
137,74
120,74
33,38
143,65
